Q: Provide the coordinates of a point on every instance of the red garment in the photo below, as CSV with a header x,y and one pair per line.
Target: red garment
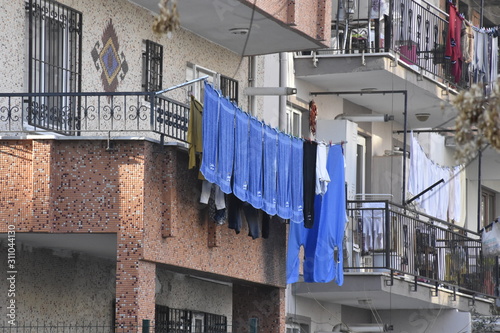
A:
x,y
453,50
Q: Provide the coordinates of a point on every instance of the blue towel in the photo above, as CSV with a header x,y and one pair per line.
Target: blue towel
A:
x,y
210,133
283,194
255,156
241,156
226,145
297,181
270,169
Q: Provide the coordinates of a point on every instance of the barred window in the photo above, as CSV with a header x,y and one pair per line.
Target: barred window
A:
x,y
227,86
152,58
170,320
54,63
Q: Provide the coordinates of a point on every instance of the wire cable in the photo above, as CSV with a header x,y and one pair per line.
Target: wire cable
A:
x,y
247,38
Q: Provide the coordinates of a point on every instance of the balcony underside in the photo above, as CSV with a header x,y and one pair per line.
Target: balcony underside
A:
x,y
378,72
360,288
213,20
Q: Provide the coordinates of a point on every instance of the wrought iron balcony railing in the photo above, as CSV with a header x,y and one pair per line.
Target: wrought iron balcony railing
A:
x,y
94,114
414,30
388,237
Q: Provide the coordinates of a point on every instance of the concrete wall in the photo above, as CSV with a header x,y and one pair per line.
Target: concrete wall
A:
x,y
55,286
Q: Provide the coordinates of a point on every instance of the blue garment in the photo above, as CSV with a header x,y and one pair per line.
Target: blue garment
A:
x,y
241,156
270,169
255,157
328,259
323,242
226,145
296,180
210,133
283,194
297,237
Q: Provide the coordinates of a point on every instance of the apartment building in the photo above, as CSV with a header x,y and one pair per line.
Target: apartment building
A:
x,y
384,89
101,223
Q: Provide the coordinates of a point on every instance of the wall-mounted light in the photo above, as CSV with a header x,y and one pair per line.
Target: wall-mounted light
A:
x,y
365,118
273,91
422,116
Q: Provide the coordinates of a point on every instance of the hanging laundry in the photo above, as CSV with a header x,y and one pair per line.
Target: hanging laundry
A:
x,y
270,169
225,156
210,133
452,47
236,210
332,221
322,177
283,194
194,134
323,242
255,156
296,181
241,156
309,176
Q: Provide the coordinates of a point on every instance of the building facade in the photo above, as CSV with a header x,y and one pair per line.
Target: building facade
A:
x,y
100,215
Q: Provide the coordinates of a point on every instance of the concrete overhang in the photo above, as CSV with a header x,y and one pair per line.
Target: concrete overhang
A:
x,y
374,290
223,21
381,72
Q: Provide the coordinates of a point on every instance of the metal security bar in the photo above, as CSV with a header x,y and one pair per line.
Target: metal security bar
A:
x,y
153,67
389,237
229,88
55,64
170,320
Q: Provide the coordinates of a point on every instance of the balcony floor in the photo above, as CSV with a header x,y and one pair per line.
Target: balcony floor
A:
x,y
378,72
374,286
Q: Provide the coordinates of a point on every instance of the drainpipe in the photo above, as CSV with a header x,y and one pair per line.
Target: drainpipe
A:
x,y
252,72
283,83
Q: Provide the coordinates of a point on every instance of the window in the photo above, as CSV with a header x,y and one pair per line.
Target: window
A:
x,y
169,320
152,70
293,122
487,206
253,325
226,85
54,64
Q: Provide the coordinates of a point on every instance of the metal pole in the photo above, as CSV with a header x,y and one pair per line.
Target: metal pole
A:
x,y
405,113
479,158
181,85
481,14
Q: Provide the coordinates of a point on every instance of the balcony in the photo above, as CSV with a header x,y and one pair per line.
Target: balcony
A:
x,y
398,47
144,114
405,259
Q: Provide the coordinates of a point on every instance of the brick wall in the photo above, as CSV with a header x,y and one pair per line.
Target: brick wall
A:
x,y
145,194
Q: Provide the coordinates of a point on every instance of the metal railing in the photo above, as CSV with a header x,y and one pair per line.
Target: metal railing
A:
x,y
415,31
146,327
94,114
389,237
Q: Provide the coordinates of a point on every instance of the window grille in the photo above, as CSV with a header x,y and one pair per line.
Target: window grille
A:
x,y
169,320
152,66
54,64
